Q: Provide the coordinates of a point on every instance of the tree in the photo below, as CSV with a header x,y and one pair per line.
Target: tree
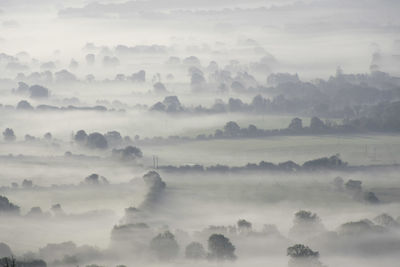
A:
x,y
195,251
296,124
301,251
302,256
5,250
24,105
172,104
48,136
164,246
306,225
138,77
155,186
81,137
9,135
220,248
27,183
7,207
370,197
8,262
197,82
259,103
113,138
127,153
303,216
386,220
354,186
316,124
90,59
95,179
231,129
244,226
97,141
235,104
38,91
159,88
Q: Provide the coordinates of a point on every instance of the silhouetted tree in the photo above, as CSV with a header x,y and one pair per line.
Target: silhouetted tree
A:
x,y
8,262
244,226
95,179
305,225
370,197
195,251
302,256
231,129
9,135
159,88
97,140
128,153
81,137
48,136
354,186
386,220
27,183
220,248
24,105
38,91
164,246
317,124
7,207
5,251
296,124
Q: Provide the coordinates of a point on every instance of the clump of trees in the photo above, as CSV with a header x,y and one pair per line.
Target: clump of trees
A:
x,y
170,104
155,187
9,135
220,248
6,207
112,139
95,179
354,188
332,162
128,153
302,256
12,262
164,246
5,251
305,225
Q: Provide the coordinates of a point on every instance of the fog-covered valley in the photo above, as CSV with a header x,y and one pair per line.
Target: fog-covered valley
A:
x,y
167,133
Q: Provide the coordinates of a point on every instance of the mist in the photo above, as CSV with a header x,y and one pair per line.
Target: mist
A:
x,y
167,133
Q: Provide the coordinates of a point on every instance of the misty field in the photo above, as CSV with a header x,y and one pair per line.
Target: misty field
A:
x,y
354,149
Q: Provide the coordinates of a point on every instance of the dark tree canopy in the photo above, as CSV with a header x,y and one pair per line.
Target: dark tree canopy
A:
x,y
5,250
220,248
301,251
38,91
9,135
296,124
128,153
164,246
7,207
81,137
244,225
24,105
97,141
231,129
95,179
155,186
